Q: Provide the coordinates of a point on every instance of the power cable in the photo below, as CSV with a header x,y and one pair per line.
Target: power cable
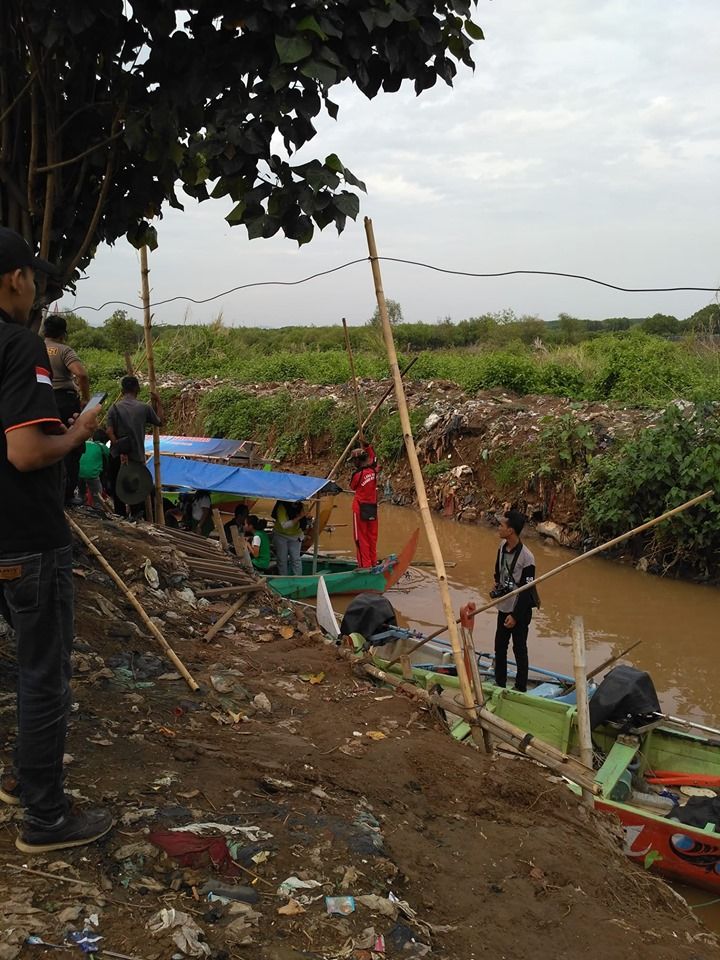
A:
x,y
413,263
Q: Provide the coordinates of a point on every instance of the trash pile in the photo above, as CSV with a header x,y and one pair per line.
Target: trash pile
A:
x,y
292,809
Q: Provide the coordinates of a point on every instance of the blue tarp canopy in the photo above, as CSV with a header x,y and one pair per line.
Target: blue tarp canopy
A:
x,y
238,481
195,446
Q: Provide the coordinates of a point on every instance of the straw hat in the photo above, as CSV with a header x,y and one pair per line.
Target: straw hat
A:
x,y
134,483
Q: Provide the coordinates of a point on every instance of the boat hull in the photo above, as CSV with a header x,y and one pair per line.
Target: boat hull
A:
x,y
305,587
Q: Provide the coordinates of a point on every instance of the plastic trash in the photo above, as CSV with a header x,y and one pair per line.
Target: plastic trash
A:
x,y
87,940
342,906
185,932
228,892
290,886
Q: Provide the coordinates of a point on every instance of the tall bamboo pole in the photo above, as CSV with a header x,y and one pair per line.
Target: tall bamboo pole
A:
x,y
368,418
348,347
465,687
582,702
147,323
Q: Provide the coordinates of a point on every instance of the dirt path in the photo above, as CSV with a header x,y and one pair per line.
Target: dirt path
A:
x,y
321,776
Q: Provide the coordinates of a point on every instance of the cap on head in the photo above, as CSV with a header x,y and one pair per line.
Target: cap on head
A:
x,y
515,520
15,254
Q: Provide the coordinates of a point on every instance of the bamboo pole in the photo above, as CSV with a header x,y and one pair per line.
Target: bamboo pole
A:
x,y
348,347
147,324
419,481
115,576
220,529
228,615
582,702
473,670
579,559
606,663
368,418
234,590
241,549
316,535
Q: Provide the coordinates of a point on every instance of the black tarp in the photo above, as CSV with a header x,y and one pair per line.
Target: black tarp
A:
x,y
368,614
697,812
625,694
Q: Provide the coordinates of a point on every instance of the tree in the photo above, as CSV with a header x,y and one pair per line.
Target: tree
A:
x,y
106,106
660,324
122,332
704,321
570,329
395,314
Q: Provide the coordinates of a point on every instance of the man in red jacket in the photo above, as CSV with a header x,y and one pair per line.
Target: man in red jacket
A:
x,y
365,523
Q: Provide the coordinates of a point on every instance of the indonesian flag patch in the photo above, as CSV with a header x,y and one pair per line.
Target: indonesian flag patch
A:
x,y
43,376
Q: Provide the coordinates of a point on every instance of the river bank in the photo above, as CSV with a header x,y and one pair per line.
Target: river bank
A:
x,y
312,773
582,472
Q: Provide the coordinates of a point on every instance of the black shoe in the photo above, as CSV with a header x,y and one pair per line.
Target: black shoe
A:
x,y
10,789
75,829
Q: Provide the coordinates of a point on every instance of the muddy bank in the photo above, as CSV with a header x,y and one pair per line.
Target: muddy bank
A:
x,y
312,773
479,452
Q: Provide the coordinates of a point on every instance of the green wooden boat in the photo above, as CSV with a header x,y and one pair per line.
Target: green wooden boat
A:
x,y
668,751
344,575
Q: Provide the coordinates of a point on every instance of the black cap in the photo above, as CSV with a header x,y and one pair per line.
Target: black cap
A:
x,y
15,254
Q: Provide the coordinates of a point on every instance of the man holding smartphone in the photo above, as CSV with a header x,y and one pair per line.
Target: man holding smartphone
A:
x,y
67,370
36,562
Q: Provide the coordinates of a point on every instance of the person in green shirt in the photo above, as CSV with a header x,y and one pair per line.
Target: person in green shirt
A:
x,y
93,463
259,542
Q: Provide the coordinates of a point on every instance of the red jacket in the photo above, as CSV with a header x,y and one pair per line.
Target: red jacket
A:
x,y
364,481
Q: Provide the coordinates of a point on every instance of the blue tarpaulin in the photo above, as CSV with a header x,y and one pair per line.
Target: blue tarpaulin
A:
x,y
195,446
268,484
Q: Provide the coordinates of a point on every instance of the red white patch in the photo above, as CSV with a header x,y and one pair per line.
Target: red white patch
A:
x,y
43,376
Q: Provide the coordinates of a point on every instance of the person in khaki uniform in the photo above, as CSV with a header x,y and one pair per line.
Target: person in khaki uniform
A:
x,y
66,369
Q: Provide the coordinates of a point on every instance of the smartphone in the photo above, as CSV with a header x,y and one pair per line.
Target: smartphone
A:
x,y
95,400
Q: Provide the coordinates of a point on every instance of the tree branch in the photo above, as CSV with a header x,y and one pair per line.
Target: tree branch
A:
x,y
66,163
23,90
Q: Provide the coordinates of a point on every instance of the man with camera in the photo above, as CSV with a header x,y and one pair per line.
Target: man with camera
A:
x,y
514,567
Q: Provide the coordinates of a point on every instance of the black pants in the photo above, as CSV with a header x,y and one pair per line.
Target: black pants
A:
x,y
40,601
68,404
519,634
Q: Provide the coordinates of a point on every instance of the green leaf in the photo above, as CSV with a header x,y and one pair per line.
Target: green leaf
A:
x,y
292,49
473,30
334,163
348,203
651,857
317,70
310,23
236,214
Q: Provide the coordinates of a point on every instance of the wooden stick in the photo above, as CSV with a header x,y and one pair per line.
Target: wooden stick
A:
x,y
471,662
583,704
419,482
220,591
606,663
114,575
368,418
316,532
571,563
217,520
228,615
241,549
49,876
354,380
152,382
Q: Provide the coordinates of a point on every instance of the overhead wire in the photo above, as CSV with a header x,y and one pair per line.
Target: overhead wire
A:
x,y
413,263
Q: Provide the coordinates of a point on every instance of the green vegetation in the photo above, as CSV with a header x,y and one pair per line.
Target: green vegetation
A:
x,y
434,470
659,469
524,355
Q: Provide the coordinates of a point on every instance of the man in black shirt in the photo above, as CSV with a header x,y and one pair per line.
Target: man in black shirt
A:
x,y
126,421
36,562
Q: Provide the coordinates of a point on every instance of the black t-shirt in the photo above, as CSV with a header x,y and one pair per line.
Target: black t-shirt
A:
x,y
31,504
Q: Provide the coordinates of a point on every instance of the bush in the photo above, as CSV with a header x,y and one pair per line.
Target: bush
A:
x,y
658,470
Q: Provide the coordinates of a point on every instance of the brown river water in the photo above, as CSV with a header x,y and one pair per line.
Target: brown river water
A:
x,y
678,623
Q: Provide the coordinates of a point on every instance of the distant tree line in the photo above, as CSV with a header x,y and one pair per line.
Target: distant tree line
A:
x,y
121,334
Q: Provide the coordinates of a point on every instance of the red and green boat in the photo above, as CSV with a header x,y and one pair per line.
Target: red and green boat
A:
x,y
666,753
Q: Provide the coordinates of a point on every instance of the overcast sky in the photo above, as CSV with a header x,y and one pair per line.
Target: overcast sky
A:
x,y
586,141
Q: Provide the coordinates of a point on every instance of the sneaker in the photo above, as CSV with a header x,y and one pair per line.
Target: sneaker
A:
x,y
10,789
75,829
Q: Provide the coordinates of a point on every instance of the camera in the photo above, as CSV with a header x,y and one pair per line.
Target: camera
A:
x,y
500,589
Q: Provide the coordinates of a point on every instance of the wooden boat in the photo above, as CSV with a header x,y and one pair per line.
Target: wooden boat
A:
x,y
343,575
667,751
